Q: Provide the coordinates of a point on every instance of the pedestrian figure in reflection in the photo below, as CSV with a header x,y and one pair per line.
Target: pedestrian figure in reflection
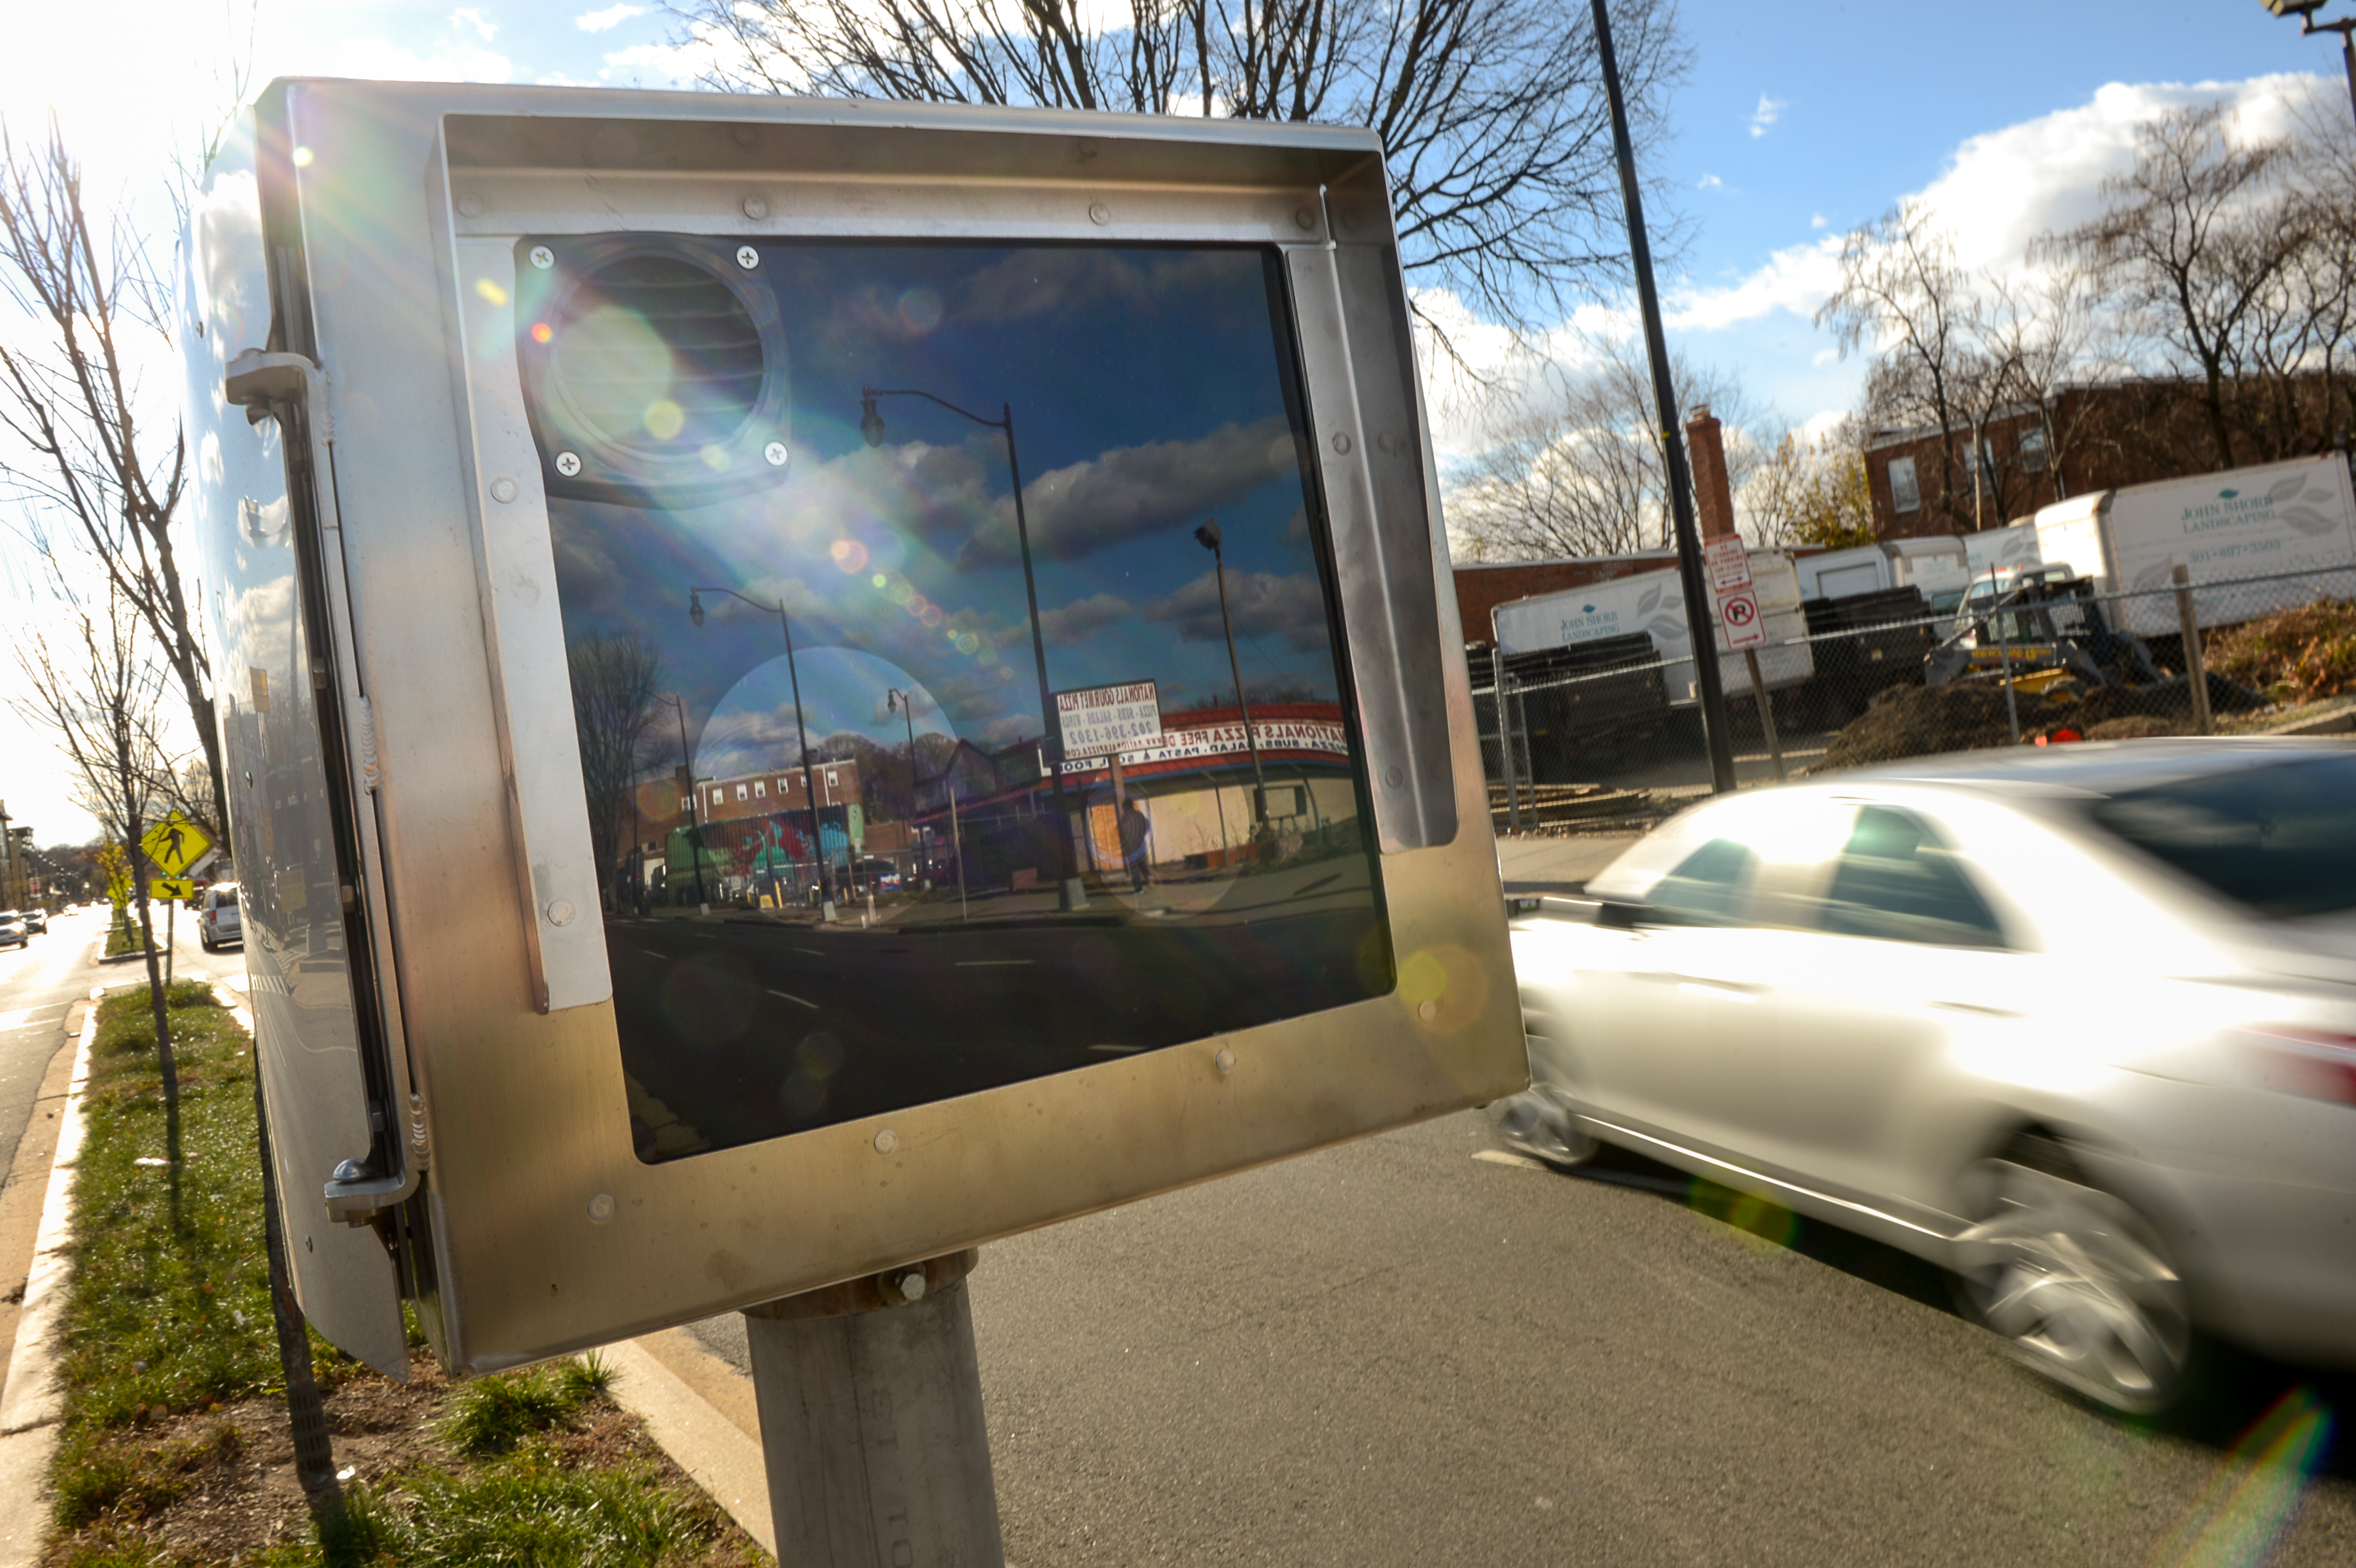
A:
x,y
1134,833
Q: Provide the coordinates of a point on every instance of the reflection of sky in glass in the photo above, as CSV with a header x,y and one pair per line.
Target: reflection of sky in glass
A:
x,y
750,728
1148,394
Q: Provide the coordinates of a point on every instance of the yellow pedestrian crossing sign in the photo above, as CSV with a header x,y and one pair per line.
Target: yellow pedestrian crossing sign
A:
x,y
175,844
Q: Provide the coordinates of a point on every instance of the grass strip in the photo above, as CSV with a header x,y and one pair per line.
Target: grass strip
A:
x,y
173,1390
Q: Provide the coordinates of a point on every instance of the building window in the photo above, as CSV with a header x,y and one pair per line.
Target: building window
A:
x,y
760,789
742,793
686,804
2032,451
1904,494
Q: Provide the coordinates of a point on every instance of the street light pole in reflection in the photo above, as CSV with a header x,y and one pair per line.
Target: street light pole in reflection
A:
x,y
1207,536
694,802
871,425
905,702
801,735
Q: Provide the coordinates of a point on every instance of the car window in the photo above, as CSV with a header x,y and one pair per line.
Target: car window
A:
x,y
1709,887
2277,839
1896,880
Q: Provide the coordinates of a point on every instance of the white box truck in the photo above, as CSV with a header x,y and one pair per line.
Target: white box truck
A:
x,y
2281,518
1654,604
1934,567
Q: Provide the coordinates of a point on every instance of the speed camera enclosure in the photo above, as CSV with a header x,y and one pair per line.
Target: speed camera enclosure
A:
x,y
433,983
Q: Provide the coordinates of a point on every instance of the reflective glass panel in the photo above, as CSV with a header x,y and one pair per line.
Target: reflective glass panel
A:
x,y
828,660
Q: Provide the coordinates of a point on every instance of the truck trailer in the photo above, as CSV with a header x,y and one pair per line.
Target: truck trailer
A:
x,y
2292,523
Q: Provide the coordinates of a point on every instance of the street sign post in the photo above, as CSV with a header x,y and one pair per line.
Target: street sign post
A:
x,y
1728,559
563,340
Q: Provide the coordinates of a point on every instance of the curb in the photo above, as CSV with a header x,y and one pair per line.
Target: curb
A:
x,y
33,1401
702,1439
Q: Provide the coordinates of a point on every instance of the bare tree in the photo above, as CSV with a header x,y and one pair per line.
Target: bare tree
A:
x,y
81,449
96,688
1581,468
1491,110
616,678
2193,241
1811,491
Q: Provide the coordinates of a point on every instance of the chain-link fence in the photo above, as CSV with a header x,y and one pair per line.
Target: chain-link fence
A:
x,y
1608,734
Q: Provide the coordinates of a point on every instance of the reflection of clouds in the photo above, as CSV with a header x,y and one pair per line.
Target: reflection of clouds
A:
x,y
1259,601
1130,492
1025,284
751,729
1013,727
261,622
973,695
1068,625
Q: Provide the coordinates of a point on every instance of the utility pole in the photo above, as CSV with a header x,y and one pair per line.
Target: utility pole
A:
x,y
1707,685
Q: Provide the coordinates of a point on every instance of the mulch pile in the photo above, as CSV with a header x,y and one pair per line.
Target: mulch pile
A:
x,y
1969,716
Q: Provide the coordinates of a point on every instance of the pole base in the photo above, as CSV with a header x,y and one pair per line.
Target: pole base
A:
x,y
1075,894
871,1431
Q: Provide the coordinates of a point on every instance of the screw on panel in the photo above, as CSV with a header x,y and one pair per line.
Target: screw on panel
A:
x,y
747,257
568,463
1225,1059
1305,218
1342,441
503,489
601,1208
776,453
542,257
470,207
1099,213
886,1141
756,207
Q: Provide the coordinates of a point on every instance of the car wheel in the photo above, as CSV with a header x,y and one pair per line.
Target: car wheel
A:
x,y
1538,1122
2078,1281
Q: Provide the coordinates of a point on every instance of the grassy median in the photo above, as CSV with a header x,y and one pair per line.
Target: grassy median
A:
x,y
175,1446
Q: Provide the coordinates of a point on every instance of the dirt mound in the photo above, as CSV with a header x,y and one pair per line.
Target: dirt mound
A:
x,y
1969,716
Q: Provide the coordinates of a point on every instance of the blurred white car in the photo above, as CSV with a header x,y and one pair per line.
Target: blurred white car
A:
x,y
218,921
2079,1026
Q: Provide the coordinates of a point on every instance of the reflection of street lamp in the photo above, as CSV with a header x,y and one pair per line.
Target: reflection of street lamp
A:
x,y
801,735
905,704
694,815
1207,536
2305,11
871,425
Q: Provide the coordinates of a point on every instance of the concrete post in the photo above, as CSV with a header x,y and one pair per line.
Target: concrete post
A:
x,y
869,1397
2196,671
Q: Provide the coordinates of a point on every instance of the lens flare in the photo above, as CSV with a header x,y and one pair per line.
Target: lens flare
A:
x,y
848,555
880,580
2242,1513
491,291
665,419
302,158
714,457
541,332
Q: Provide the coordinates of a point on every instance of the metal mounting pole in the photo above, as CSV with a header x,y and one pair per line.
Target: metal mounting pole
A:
x,y
2196,669
871,1431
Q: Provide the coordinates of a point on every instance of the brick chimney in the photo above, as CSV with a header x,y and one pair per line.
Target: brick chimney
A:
x,y
1706,456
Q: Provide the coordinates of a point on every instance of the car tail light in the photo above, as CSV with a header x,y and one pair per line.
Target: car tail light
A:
x,y
2313,1063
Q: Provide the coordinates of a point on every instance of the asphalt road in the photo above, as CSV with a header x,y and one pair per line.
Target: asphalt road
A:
x,y
1401,1352
40,983
737,1029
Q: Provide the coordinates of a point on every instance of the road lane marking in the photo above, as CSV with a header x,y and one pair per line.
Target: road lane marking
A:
x,y
1120,1050
796,1000
651,953
811,952
14,1018
989,963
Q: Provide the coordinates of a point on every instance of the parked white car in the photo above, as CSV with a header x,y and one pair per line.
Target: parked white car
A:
x,y
218,919
2078,1024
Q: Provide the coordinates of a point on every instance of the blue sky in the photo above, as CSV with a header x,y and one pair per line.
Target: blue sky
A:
x,y
1799,120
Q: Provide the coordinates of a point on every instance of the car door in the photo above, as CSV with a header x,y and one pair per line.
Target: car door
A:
x,y
1680,1045
1893,960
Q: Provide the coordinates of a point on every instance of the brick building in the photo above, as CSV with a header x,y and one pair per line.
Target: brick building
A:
x,y
2080,439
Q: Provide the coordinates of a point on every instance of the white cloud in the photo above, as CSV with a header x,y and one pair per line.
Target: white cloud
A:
x,y
611,17
1770,109
378,60
1709,182
1259,602
468,17
1824,357
1819,220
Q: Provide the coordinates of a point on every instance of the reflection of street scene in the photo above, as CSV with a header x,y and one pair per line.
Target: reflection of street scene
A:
x,y
975,702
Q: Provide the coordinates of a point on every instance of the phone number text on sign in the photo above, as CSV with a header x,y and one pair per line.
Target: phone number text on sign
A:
x,y
1099,721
